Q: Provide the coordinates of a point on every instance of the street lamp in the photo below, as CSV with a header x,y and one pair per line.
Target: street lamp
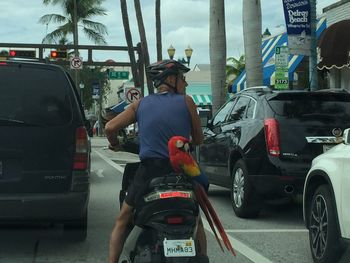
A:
x,y
171,52
188,53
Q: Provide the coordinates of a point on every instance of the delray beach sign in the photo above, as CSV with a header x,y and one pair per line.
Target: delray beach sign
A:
x,y
298,18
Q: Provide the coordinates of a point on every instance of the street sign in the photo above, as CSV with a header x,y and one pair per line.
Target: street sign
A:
x,y
76,63
118,74
281,57
132,94
281,65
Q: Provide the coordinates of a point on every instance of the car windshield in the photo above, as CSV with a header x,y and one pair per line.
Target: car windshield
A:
x,y
48,104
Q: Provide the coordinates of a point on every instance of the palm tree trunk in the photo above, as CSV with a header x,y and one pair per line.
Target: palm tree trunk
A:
x,y
252,42
217,49
158,31
128,37
144,46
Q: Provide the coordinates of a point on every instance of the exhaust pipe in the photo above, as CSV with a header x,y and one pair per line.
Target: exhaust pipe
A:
x,y
289,189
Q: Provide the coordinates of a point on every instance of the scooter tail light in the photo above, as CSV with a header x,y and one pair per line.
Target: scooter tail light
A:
x,y
175,220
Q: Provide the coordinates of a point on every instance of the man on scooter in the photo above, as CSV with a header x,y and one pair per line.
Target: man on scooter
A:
x,y
160,116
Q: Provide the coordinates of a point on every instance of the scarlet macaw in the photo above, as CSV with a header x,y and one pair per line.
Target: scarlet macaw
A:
x,y
182,162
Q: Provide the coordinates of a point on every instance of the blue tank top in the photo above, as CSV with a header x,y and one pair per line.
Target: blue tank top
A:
x,y
161,116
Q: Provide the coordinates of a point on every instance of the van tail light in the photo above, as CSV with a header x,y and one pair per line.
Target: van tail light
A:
x,y
272,135
81,149
174,220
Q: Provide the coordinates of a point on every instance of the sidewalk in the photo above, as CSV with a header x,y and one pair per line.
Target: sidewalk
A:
x,y
100,144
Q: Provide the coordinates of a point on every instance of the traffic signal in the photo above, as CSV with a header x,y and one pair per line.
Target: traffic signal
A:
x,y
22,53
58,54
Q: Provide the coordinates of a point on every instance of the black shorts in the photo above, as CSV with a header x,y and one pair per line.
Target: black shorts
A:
x,y
148,169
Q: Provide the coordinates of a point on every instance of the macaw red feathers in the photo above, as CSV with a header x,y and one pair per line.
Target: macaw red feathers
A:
x,y
182,162
212,217
180,157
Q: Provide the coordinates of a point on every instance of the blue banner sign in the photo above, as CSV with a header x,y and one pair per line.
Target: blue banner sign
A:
x,y
298,17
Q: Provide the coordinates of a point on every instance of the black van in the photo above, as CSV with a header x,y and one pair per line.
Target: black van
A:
x,y
44,147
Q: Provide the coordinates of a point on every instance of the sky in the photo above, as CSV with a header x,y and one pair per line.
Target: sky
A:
x,y
184,23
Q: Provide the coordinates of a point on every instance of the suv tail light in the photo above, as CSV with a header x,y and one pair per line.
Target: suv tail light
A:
x,y
81,149
272,135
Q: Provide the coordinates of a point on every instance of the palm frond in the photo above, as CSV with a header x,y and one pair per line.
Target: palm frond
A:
x,y
99,27
55,18
52,37
94,36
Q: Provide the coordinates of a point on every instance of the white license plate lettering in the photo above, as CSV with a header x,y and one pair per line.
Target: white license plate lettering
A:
x,y
179,248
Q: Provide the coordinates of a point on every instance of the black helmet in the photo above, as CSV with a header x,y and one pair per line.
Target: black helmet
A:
x,y
160,70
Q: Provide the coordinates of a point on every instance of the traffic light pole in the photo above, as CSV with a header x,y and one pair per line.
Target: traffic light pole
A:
x,y
89,48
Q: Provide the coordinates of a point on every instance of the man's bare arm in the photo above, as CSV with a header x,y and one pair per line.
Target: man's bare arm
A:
x,y
127,117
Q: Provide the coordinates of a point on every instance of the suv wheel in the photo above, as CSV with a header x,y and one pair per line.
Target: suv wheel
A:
x,y
76,230
245,201
324,233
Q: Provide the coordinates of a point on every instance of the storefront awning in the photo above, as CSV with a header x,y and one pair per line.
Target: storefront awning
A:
x,y
118,108
268,59
201,100
334,46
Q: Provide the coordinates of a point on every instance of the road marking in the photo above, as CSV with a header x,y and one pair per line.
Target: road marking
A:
x,y
241,248
267,231
111,163
237,245
100,173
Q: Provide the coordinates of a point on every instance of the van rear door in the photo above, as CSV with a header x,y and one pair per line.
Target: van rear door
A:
x,y
37,135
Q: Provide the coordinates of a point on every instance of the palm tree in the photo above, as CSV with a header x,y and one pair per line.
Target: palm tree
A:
x,y
128,37
252,42
144,45
217,49
234,68
85,10
158,31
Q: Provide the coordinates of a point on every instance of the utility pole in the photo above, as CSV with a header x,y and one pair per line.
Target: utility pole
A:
x,y
313,76
75,40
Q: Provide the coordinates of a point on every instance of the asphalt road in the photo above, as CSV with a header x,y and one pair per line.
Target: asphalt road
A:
x,y
278,235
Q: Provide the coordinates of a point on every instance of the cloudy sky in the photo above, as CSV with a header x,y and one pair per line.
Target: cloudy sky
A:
x,y
184,22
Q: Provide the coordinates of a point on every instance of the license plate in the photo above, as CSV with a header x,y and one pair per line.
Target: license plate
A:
x,y
179,248
327,147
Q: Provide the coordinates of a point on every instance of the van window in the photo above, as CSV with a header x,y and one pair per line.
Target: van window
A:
x,y
34,95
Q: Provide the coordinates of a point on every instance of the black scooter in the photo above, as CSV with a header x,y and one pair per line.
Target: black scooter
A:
x,y
165,224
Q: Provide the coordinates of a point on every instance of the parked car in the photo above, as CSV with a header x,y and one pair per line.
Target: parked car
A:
x,y
44,147
325,203
261,142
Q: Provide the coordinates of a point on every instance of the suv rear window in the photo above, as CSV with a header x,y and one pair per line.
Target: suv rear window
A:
x,y
318,106
34,95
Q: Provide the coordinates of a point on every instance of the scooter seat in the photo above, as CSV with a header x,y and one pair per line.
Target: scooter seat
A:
x,y
169,180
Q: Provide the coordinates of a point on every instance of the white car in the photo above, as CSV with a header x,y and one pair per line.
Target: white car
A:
x,y
326,202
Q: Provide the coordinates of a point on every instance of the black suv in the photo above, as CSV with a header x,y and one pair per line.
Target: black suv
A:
x,y
44,147
261,142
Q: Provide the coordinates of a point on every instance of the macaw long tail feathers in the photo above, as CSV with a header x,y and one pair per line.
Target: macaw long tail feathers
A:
x,y
209,208
205,211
